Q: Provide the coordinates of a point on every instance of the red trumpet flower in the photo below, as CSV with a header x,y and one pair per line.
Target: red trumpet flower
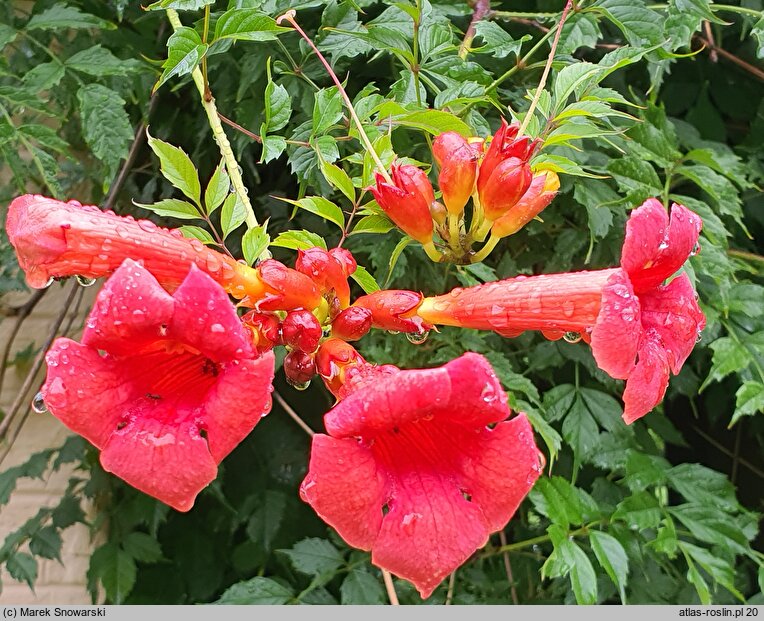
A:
x,y
411,471
157,382
640,329
458,161
539,194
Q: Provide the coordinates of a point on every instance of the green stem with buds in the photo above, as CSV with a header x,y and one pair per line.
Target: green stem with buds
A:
x,y
485,250
208,103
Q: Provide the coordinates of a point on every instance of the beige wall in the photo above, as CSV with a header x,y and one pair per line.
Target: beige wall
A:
x,y
57,583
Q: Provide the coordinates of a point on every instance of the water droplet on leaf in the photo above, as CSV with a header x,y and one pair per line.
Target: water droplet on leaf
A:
x,y
85,281
417,338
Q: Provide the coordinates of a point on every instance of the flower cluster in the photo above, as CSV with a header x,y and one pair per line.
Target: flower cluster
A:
x,y
506,194
418,466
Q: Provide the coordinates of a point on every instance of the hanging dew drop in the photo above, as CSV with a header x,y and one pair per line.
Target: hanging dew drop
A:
x,y
298,385
38,404
695,249
571,337
49,282
417,338
393,332
85,281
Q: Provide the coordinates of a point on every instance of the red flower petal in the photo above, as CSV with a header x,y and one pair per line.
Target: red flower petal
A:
x,y
161,452
428,481
673,312
648,381
345,488
205,319
84,391
656,247
131,312
229,417
616,334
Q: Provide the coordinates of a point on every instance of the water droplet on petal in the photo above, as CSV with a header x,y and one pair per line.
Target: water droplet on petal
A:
x,y
38,404
571,337
568,308
217,328
663,245
85,281
417,338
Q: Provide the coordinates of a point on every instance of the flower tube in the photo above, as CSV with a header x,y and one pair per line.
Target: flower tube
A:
x,y
410,469
54,239
158,382
639,328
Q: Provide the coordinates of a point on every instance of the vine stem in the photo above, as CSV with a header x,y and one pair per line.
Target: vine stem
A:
x,y
208,103
481,8
390,588
289,16
293,415
547,68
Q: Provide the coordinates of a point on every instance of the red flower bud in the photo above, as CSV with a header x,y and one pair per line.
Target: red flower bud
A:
x,y
394,310
333,358
352,323
299,368
346,259
285,288
542,190
265,329
458,168
301,330
407,202
509,181
503,146
326,271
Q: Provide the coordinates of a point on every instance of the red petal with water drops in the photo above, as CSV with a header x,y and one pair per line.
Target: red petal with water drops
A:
x,y
412,472
648,381
656,246
618,330
672,311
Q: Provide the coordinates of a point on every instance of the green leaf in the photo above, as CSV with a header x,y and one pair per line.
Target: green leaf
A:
x,y
635,174
278,107
61,16
568,558
98,61
299,240
105,124
365,280
179,5
360,587
394,256
639,511
142,547
116,570
7,35
232,214
44,76
749,400
46,543
730,356
273,147
558,500
581,30
68,512
217,189
640,25
267,518
703,485
321,207
327,109
758,32
22,567
433,122
177,168
373,224
247,25
253,243
498,41
256,591
313,556
338,178
45,136
611,555
185,51
699,8
696,579
195,232
173,208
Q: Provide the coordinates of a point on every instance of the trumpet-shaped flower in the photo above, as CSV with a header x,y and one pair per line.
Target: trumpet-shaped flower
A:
x,y
411,470
407,201
54,239
157,382
639,328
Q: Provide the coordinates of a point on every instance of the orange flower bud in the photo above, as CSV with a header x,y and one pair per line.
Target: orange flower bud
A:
x,y
285,288
299,368
301,330
509,181
458,169
334,357
394,310
327,271
352,323
265,329
540,193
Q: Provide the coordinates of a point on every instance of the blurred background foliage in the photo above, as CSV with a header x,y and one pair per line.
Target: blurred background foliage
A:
x,y
664,511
